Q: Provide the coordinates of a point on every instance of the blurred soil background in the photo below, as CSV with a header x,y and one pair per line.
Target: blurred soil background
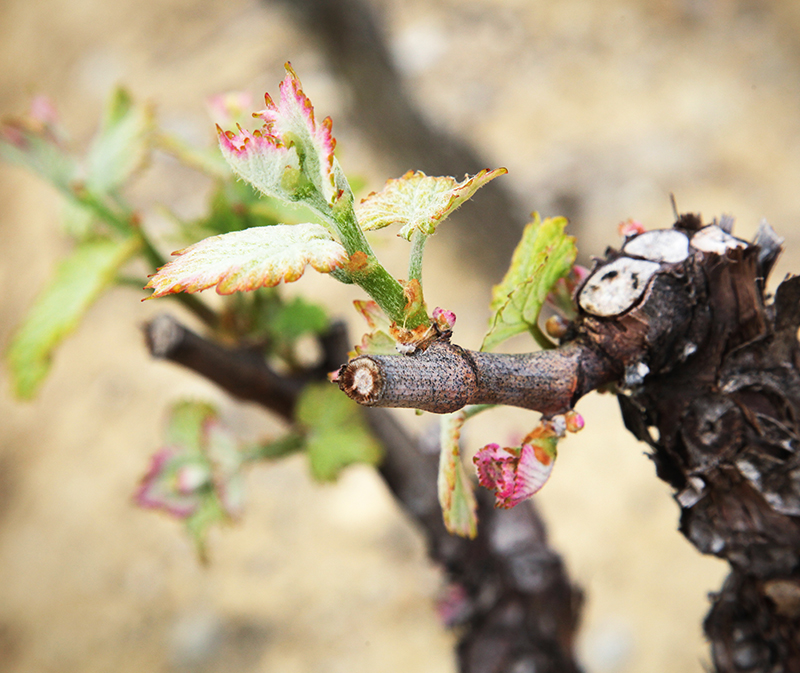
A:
x,y
599,110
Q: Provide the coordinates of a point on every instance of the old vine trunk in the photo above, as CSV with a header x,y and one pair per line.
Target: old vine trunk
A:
x,y
721,386
707,369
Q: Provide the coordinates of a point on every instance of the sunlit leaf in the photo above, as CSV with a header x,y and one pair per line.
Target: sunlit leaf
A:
x,y
336,435
249,259
78,281
264,161
121,145
291,152
456,496
544,255
419,202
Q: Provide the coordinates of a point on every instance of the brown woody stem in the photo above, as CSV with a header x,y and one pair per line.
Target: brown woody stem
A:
x,y
445,377
242,372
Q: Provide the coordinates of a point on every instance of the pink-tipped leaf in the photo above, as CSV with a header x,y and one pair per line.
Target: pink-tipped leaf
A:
x,y
515,474
249,259
289,151
419,202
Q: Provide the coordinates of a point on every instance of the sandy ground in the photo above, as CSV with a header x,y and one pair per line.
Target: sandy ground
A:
x,y
598,109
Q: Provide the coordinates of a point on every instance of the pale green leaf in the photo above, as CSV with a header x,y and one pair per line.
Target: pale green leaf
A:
x,y
296,318
121,145
291,156
79,280
419,202
197,473
249,259
336,435
544,255
456,495
265,162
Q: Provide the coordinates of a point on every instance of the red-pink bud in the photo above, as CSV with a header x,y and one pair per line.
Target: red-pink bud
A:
x,y
630,228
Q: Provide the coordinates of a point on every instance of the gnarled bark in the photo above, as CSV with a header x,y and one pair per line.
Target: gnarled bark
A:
x,y
708,371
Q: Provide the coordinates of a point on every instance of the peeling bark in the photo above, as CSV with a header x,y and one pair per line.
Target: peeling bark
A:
x,y
728,443
708,372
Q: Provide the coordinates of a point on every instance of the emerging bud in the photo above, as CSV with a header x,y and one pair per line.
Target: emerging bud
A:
x,y
445,320
630,228
556,326
575,421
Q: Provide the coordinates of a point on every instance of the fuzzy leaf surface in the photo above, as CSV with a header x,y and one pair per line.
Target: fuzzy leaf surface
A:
x,y
419,202
336,435
456,495
249,259
544,254
78,281
291,155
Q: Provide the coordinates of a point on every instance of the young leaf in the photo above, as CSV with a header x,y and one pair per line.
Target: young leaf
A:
x,y
249,259
79,280
419,202
515,474
336,435
378,341
174,482
290,151
544,255
263,160
121,145
456,496
292,119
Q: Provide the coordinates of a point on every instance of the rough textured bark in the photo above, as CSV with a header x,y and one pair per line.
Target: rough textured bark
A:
x,y
445,377
510,597
727,421
708,372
